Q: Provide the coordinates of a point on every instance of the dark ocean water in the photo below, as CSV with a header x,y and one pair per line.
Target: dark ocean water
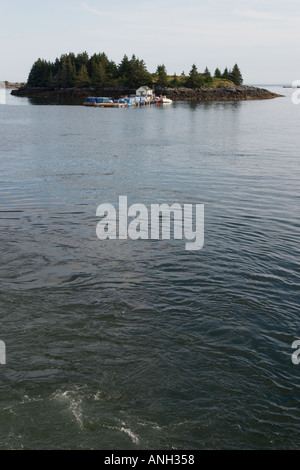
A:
x,y
142,344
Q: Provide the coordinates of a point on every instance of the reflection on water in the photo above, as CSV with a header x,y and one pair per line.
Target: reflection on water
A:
x,y
194,105
56,100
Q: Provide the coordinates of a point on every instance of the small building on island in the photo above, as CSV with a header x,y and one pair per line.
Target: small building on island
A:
x,y
145,92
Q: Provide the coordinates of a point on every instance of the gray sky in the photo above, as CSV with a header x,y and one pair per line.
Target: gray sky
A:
x,y
262,36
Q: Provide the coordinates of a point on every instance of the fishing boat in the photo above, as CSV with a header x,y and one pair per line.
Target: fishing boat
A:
x,y
163,100
166,100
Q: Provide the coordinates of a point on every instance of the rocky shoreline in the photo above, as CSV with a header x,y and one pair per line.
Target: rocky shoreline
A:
x,y
230,93
13,86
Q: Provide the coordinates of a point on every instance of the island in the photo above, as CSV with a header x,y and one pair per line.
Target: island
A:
x,y
76,77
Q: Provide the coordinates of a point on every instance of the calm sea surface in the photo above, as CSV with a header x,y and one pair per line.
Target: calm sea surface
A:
x,y
142,344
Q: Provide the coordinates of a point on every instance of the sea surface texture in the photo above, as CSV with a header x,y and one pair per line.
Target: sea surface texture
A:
x,y
124,344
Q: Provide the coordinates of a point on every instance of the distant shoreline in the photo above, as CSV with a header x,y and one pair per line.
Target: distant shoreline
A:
x,y
13,86
229,93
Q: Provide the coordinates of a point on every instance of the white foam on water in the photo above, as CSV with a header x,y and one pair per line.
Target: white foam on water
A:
x,y
74,401
130,434
98,396
125,430
27,399
151,425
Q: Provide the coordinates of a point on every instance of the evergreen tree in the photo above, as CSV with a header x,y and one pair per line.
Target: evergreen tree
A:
x,y
226,74
148,80
98,77
51,82
34,74
66,76
175,82
195,79
133,73
91,64
80,60
96,69
236,76
218,73
111,71
83,79
142,75
108,69
124,70
70,70
207,76
162,77
40,74
56,66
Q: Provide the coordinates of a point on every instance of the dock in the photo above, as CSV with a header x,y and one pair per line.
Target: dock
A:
x,y
127,102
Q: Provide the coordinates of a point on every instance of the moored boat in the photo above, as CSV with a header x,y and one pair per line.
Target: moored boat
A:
x,y
127,102
163,100
166,100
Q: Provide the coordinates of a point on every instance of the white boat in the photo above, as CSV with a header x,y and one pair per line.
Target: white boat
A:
x,y
166,100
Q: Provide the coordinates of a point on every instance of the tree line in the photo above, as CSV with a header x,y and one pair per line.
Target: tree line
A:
x,y
82,71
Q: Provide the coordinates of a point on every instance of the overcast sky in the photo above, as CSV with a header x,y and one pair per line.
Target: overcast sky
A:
x,y
262,36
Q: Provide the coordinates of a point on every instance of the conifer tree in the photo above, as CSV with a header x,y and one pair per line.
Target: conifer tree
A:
x,y
218,73
195,79
226,74
81,59
193,76
81,70
66,76
71,70
175,82
207,76
51,82
162,77
98,77
39,74
82,79
236,76
124,69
